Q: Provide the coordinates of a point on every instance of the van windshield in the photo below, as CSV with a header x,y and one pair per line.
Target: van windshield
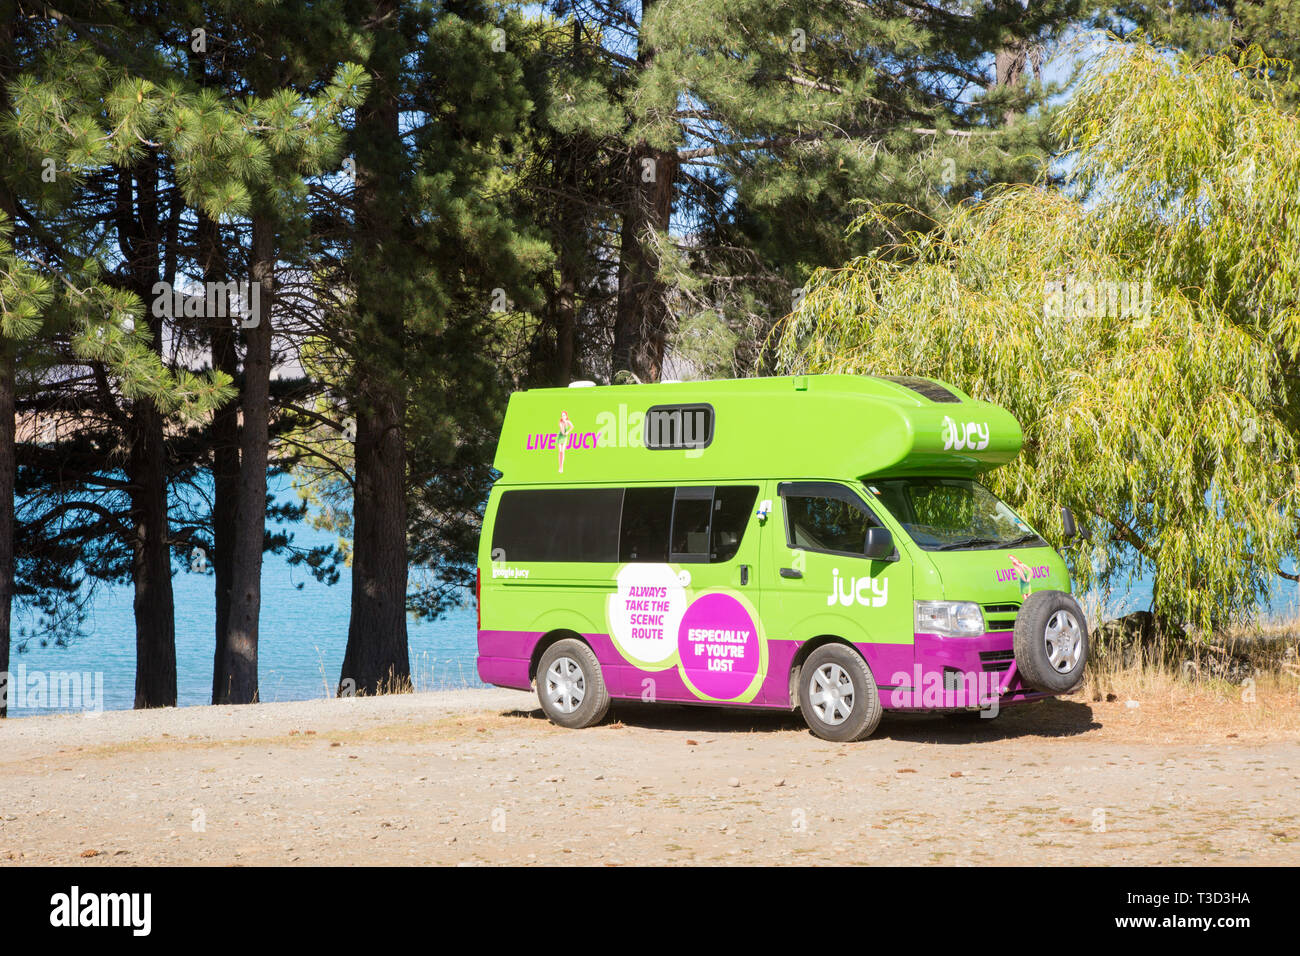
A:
x,y
953,514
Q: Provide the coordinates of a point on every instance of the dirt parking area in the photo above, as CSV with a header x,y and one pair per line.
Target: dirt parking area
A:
x,y
479,777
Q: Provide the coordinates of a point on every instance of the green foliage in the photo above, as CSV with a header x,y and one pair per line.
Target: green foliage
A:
x,y
24,293
1194,162
1166,418
1209,27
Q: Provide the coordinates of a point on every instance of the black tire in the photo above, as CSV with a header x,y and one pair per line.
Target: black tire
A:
x,y
585,699
1051,642
843,665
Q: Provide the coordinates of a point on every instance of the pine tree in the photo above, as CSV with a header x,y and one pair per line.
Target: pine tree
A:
x,y
145,149
742,131
423,245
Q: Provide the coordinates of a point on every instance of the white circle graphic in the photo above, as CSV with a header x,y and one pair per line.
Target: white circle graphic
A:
x,y
645,611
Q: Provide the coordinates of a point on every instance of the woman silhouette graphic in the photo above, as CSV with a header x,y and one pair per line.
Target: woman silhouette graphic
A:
x,y
566,426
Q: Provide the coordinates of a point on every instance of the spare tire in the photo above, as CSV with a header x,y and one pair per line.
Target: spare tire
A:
x,y
1051,642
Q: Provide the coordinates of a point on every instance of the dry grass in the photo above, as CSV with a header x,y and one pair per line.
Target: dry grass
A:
x,y
1184,703
1242,682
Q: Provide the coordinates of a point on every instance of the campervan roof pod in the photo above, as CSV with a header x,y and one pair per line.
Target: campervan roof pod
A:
x,y
843,426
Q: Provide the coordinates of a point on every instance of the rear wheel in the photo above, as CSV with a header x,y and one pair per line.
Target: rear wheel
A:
x,y
570,686
837,694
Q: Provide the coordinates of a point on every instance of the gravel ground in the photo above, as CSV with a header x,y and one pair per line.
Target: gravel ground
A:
x,y
478,777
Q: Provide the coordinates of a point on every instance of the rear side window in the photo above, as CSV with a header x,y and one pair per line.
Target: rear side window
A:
x,y
608,525
570,524
647,519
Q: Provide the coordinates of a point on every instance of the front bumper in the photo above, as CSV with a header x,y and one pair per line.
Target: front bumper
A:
x,y
950,673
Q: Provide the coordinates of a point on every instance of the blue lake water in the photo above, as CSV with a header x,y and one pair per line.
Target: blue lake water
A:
x,y
304,628
300,651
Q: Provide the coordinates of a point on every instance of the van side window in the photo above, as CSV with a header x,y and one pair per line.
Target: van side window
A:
x,y
691,513
732,507
826,523
647,518
709,523
608,525
569,524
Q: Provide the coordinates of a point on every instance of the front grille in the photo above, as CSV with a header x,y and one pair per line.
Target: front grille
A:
x,y
1001,623
996,660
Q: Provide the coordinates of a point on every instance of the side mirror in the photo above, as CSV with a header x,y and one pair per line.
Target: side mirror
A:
x,y
1068,525
880,544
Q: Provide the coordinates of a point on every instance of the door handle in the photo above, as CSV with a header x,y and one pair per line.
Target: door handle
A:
x,y
791,573
744,574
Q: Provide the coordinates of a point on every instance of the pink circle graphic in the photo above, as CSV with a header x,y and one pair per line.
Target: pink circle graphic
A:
x,y
718,646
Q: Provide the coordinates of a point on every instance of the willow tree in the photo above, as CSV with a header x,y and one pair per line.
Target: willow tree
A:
x,y
1140,323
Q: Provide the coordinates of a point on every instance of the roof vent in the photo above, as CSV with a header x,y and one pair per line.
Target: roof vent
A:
x,y
924,387
582,384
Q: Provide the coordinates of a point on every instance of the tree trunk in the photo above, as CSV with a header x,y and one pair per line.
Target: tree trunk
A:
x,y
225,455
146,464
642,322
376,659
151,568
1008,67
8,467
566,306
8,424
240,675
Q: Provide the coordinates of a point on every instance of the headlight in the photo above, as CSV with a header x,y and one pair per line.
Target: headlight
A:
x,y
949,618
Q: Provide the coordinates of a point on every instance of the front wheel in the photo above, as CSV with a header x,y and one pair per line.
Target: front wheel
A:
x,y
837,694
570,686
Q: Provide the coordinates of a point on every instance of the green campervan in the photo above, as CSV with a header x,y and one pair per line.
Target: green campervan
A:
x,y
820,542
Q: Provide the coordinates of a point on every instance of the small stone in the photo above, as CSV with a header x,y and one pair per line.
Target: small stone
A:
x,y
1132,704
733,782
